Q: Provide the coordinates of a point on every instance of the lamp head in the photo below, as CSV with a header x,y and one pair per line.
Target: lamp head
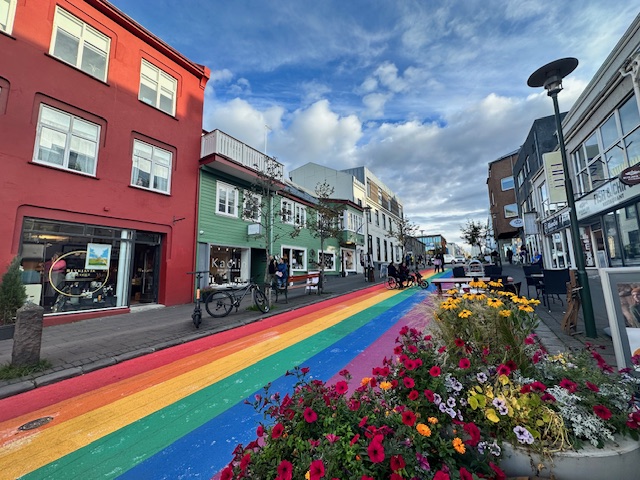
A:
x,y
550,75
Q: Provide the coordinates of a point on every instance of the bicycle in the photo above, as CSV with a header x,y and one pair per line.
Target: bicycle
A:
x,y
411,280
196,316
219,304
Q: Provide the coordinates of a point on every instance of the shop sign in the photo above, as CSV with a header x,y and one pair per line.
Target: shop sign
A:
x,y
517,223
631,175
605,198
557,223
554,175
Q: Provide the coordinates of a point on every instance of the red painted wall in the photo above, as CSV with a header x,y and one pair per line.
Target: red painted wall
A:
x,y
30,189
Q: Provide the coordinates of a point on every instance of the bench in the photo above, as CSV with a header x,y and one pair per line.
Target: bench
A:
x,y
453,280
310,282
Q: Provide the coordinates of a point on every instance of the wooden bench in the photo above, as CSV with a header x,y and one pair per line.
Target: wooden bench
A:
x,y
310,282
453,280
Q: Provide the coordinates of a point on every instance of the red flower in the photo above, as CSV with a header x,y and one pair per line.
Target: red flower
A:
x,y
530,340
500,475
285,470
440,475
364,477
435,371
410,364
464,474
277,430
342,387
512,365
396,476
355,438
397,463
503,369
593,387
397,350
442,349
363,422
344,373
408,382
227,473
459,342
547,397
316,470
464,363
414,395
304,370
309,415
375,451
412,349
354,404
260,431
568,385
602,411
473,432
408,418
429,395
538,386
244,463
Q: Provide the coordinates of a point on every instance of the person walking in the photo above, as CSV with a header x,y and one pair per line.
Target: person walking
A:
x,y
510,255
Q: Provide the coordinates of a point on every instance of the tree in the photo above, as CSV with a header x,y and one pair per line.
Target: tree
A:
x,y
474,233
261,207
13,293
327,222
405,229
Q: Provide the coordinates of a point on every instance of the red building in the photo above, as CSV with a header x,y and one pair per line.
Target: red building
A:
x,y
100,128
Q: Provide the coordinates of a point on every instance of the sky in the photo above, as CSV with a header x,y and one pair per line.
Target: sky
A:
x,y
424,93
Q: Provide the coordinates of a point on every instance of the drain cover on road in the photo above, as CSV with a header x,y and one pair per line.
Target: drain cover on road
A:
x,y
35,423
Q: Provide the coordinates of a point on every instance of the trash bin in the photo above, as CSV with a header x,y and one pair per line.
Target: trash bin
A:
x,y
370,275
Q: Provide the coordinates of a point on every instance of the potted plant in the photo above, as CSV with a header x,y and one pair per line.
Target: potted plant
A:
x,y
12,296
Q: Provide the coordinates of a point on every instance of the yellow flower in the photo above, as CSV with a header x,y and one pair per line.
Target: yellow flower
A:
x,y
458,445
307,475
525,308
534,301
423,430
452,291
505,313
365,381
464,313
432,420
448,306
495,302
385,385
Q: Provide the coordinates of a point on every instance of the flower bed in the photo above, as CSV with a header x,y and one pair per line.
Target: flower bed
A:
x,y
443,402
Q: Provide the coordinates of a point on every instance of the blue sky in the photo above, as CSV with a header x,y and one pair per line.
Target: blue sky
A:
x,y
424,93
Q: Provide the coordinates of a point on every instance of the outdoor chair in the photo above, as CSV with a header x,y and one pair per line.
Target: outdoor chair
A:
x,y
555,283
536,283
459,272
492,270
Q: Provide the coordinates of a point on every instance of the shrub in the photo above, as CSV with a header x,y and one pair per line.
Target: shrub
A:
x,y
12,292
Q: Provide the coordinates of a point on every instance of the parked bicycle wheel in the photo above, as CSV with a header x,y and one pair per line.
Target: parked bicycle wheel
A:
x,y
423,284
391,283
260,299
219,304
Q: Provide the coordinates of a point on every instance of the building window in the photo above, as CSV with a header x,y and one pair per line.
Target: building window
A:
x,y
157,88
384,221
300,215
226,200
286,211
151,167
328,259
7,13
66,141
507,183
298,260
377,218
252,207
80,45
511,210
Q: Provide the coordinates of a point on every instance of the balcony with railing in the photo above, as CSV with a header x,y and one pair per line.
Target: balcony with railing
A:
x,y
217,142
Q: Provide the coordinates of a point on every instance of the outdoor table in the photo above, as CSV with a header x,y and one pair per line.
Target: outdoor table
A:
x,y
453,280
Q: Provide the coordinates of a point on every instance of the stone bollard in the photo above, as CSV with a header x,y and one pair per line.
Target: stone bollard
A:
x,y
27,338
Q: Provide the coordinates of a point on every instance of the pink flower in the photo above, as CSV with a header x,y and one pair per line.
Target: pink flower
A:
x,y
397,463
568,385
316,470
503,369
355,439
464,474
260,431
440,475
459,342
408,418
375,451
429,395
435,371
408,382
332,438
464,363
414,395
277,430
547,397
593,387
309,415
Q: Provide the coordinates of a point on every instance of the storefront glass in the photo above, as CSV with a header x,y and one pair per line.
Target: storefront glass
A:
x,y
613,241
629,234
225,264
71,267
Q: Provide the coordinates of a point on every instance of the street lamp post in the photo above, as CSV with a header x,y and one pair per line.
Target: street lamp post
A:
x,y
550,77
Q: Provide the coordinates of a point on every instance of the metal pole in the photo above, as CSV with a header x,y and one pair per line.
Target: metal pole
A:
x,y
366,260
583,279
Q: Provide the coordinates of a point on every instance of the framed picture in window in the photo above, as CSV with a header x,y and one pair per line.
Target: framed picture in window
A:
x,y
621,288
98,256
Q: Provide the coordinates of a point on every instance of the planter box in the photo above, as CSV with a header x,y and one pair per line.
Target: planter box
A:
x,y
615,461
6,331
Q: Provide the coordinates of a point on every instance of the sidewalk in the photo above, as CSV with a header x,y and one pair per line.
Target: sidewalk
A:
x,y
78,348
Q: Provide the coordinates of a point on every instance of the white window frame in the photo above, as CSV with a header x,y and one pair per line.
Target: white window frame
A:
x,y
507,179
157,162
256,216
286,211
300,215
84,35
158,81
227,191
70,135
328,254
514,213
10,11
296,267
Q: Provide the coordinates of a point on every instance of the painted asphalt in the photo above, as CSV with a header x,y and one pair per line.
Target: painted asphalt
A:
x,y
179,412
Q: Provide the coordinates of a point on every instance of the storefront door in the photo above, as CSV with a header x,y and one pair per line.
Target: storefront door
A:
x,y
144,280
